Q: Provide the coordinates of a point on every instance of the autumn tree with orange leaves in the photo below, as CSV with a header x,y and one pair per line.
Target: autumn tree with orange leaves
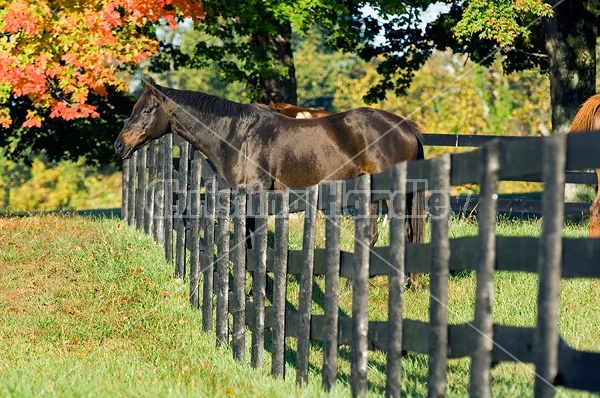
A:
x,y
56,55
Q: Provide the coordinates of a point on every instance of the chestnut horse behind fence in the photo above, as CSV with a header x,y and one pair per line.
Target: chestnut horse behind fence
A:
x,y
298,112
588,119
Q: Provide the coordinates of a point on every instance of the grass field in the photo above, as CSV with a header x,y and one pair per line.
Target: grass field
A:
x,y
89,308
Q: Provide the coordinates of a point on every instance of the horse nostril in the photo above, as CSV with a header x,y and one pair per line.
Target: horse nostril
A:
x,y
119,146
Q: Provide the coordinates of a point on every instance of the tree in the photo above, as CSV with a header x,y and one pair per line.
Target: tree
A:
x,y
63,63
68,139
556,37
251,41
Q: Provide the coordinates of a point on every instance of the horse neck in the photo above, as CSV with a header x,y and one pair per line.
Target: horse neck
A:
x,y
206,132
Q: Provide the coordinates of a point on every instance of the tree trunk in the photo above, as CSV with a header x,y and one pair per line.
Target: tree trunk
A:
x,y
273,86
571,44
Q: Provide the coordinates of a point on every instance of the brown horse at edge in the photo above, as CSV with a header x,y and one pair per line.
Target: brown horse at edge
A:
x,y
588,119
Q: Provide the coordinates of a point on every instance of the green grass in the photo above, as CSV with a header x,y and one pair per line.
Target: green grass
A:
x,y
89,308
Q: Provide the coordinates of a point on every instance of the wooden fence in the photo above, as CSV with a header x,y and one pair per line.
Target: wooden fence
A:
x,y
514,206
214,207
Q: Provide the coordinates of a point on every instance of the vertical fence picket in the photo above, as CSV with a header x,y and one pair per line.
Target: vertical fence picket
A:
x,y
151,160
180,219
140,192
159,192
194,221
131,188
260,202
332,284
282,207
210,192
549,265
239,277
222,327
396,279
306,282
484,294
168,167
125,190
360,288
438,275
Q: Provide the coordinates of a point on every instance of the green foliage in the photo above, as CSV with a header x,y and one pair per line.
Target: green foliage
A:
x,y
66,185
449,94
391,35
500,20
60,139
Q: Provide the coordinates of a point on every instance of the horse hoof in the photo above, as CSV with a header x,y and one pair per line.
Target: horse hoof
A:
x,y
408,282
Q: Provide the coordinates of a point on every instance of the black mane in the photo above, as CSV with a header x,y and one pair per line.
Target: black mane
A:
x,y
208,103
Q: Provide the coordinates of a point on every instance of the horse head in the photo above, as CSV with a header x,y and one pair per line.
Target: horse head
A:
x,y
148,121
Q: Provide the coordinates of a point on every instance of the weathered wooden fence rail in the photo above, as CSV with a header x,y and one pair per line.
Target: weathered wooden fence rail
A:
x,y
510,206
206,212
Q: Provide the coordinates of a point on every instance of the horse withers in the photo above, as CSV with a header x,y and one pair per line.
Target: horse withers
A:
x,y
254,148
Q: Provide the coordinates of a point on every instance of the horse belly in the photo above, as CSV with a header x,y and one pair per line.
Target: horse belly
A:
x,y
303,166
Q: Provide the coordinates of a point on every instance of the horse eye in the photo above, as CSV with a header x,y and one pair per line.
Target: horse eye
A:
x,y
146,111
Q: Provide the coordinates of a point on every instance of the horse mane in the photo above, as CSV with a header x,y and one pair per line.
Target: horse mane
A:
x,y
584,119
208,103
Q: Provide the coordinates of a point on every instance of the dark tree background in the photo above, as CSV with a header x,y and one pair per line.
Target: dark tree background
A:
x,y
251,41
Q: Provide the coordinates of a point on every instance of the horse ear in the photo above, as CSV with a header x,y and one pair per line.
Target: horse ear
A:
x,y
148,83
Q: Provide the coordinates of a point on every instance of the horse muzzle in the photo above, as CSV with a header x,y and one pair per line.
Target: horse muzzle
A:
x,y
123,151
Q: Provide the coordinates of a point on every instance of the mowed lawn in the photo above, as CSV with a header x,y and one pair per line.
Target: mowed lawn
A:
x,y
90,308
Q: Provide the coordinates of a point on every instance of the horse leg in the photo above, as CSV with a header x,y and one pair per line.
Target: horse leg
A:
x,y
250,228
415,226
595,213
374,231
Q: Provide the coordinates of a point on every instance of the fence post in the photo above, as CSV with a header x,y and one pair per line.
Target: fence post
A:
x,y
439,269
360,288
131,188
222,328
332,284
159,192
168,168
149,217
182,211
484,294
549,265
260,202
239,278
396,280
140,193
210,189
125,190
306,282
282,207
194,237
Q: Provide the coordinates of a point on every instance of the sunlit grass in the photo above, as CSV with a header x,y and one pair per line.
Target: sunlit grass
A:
x,y
90,308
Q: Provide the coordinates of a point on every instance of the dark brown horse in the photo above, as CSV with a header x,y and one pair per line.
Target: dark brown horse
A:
x,y
298,112
254,148
588,119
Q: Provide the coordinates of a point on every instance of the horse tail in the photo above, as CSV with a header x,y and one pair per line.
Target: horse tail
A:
x,y
417,207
